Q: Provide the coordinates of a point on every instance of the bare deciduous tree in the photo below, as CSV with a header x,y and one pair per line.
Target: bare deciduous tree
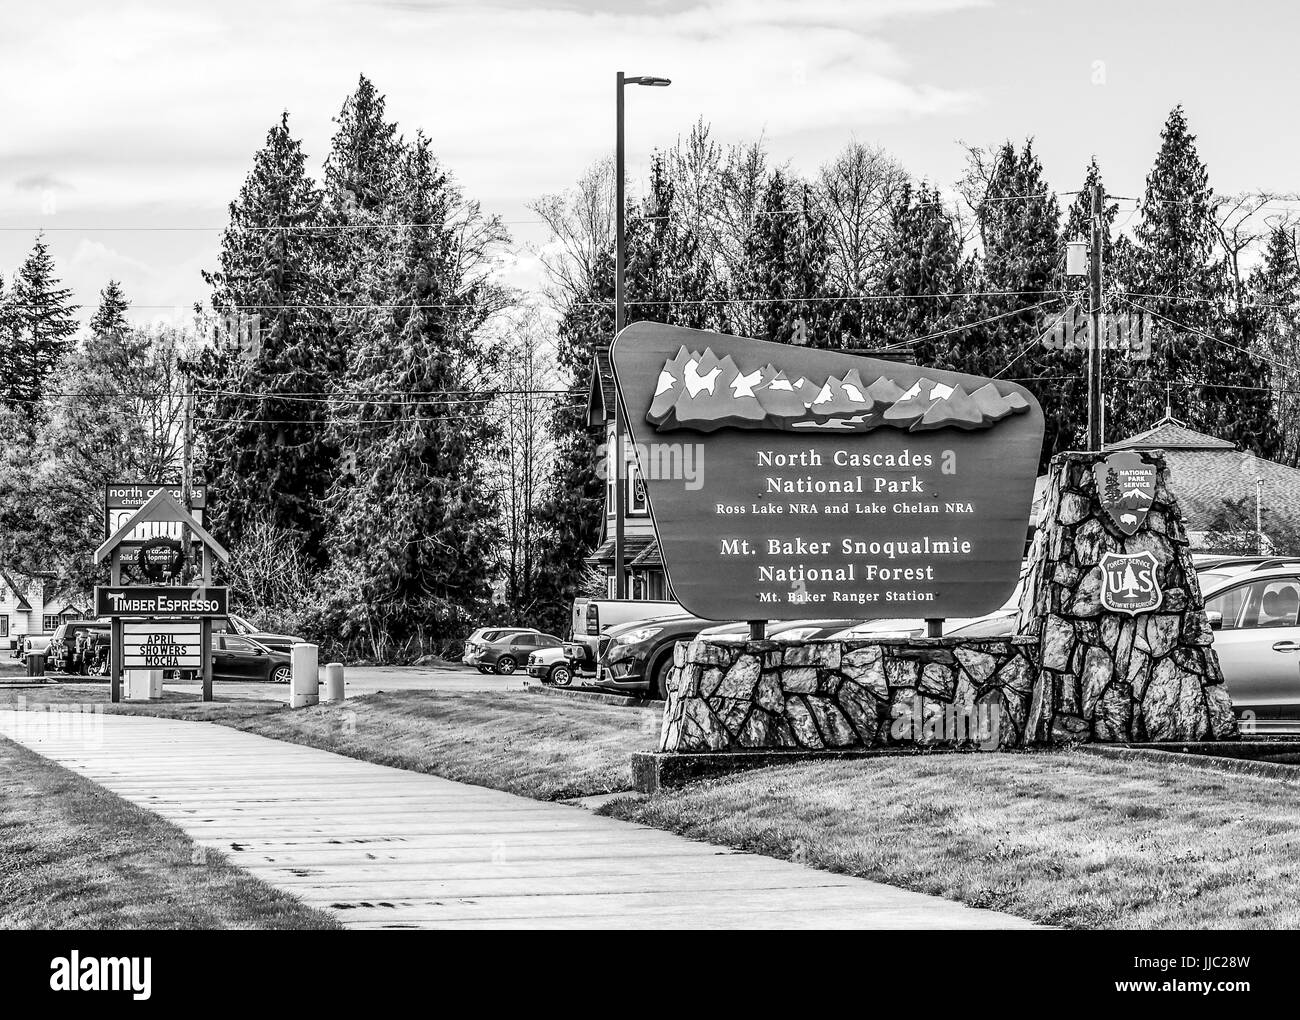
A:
x,y
581,222
857,190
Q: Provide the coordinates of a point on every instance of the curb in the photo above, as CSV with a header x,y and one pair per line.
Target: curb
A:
x,y
654,771
622,700
1241,766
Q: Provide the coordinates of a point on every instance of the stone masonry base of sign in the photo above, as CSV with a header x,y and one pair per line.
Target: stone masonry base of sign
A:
x,y
1077,671
1111,676
841,694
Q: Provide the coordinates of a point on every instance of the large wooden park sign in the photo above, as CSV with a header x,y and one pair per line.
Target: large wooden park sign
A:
x,y
824,484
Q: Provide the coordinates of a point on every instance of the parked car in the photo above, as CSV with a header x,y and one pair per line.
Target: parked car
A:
x,y
238,625
590,618
64,653
239,657
34,643
550,666
508,651
481,638
1255,617
778,630
637,657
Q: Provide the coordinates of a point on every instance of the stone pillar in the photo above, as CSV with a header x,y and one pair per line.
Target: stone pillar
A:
x,y
1118,675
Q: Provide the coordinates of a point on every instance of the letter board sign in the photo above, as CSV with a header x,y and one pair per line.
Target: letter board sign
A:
x,y
161,644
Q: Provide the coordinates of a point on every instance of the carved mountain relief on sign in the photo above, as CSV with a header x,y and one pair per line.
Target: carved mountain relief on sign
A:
x,y
703,392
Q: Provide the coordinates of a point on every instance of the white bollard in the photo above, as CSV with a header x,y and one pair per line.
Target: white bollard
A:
x,y
305,686
156,683
334,681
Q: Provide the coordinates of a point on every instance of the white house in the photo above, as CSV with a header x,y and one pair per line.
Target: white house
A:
x,y
34,605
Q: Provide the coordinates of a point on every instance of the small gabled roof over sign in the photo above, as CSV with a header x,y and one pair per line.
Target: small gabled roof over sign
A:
x,y
161,508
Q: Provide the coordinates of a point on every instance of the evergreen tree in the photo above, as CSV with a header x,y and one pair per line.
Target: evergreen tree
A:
x,y
90,437
1015,284
783,290
38,326
1200,337
416,527
112,343
1274,289
922,281
270,448
362,176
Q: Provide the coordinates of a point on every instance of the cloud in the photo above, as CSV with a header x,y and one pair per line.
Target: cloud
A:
x,y
151,112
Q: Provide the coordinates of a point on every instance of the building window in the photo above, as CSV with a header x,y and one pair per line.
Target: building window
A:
x,y
49,624
637,506
4,625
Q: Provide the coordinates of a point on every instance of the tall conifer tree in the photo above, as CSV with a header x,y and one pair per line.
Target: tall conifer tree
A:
x,y
270,449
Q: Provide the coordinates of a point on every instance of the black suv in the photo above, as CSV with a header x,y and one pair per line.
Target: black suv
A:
x,y
637,657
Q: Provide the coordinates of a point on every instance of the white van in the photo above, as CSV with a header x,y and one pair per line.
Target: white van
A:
x,y
592,617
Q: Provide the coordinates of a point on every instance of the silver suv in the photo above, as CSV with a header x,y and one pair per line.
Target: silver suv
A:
x,y
1255,616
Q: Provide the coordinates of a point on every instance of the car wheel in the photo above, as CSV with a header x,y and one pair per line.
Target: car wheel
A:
x,y
560,676
506,665
659,677
282,674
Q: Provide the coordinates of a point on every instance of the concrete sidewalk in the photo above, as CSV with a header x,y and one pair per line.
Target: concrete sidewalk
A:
x,y
386,848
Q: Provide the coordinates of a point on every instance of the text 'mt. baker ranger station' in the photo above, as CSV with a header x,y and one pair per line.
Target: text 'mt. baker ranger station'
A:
x,y
828,484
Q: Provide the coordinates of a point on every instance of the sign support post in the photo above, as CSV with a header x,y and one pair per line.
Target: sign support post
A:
x,y
205,631
115,644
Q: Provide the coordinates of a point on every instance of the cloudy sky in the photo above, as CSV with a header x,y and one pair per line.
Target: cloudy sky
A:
x,y
145,113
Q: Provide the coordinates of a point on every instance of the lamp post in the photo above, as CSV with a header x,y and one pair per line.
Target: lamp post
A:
x,y
620,499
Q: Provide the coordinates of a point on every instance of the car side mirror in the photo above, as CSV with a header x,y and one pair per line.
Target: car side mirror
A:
x,y
1215,619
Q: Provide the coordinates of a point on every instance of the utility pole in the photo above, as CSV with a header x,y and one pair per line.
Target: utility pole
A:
x,y
1095,437
616,461
187,473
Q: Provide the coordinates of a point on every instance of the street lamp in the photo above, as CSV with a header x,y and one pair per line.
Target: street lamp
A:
x,y
620,500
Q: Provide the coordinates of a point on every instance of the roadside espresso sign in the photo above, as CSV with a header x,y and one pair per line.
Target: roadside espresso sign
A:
x,y
142,601
825,484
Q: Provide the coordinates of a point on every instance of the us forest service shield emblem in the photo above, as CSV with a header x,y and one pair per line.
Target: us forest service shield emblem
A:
x,y
1126,485
1129,583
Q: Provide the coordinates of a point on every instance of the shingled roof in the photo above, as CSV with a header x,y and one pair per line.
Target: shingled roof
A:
x,y
1171,434
22,605
1204,471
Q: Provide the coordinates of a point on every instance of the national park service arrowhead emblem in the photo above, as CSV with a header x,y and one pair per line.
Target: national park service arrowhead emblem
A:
x,y
1126,486
1129,583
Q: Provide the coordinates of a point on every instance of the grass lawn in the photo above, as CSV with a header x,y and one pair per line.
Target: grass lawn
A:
x,y
73,855
1063,838
548,748
544,747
